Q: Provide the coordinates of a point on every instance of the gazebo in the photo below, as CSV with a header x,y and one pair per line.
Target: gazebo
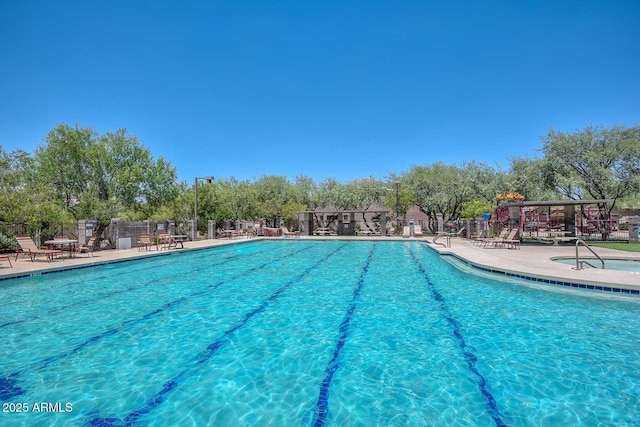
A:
x,y
558,218
346,220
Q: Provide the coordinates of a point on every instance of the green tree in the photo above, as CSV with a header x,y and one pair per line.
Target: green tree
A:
x,y
14,178
238,198
22,201
272,192
475,208
398,197
595,163
439,189
103,176
305,192
532,178
483,181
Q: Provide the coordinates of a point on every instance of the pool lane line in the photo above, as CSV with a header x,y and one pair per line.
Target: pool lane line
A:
x,y
470,358
118,292
321,409
132,419
9,387
138,286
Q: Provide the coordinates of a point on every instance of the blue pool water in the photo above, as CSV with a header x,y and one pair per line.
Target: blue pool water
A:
x,y
611,264
283,333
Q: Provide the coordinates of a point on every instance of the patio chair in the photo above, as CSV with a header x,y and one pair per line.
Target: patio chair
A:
x,y
7,258
417,231
164,240
145,241
88,247
29,247
406,231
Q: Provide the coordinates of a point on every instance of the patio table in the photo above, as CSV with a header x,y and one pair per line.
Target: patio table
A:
x,y
70,243
178,239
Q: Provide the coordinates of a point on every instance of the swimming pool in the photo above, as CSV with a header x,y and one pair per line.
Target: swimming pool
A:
x,y
295,332
612,264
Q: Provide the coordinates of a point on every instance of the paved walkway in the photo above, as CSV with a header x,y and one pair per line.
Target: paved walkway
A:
x,y
530,260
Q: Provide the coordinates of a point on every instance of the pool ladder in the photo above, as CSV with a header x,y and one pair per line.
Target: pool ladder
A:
x,y
580,263
447,235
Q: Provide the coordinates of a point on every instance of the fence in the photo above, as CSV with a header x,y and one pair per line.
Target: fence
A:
x,y
594,231
8,231
123,234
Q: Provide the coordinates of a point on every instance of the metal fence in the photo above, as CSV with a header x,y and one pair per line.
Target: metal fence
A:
x,y
62,229
83,230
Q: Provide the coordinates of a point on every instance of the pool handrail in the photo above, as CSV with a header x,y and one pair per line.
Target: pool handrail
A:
x,y
439,235
580,263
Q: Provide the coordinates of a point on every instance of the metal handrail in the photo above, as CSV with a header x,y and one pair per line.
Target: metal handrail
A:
x,y
580,263
448,236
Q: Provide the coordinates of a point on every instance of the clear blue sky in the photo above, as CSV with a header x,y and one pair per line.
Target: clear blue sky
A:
x,y
339,89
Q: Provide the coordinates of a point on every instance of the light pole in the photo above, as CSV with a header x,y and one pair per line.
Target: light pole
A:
x,y
397,205
195,204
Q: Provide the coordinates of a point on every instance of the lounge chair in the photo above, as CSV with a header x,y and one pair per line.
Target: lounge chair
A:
x,y
7,258
502,239
417,231
459,233
491,240
87,247
28,246
511,240
406,231
292,234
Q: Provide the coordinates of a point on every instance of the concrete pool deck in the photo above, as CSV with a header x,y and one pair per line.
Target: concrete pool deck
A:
x,y
23,266
536,261
531,261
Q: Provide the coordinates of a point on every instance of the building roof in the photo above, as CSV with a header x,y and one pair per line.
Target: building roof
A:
x,y
339,211
558,202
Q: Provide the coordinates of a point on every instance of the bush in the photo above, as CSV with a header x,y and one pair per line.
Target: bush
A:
x,y
7,243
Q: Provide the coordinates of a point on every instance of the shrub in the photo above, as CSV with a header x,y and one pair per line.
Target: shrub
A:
x,y
7,243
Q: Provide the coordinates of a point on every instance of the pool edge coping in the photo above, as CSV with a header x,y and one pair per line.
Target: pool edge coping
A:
x,y
617,288
140,256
